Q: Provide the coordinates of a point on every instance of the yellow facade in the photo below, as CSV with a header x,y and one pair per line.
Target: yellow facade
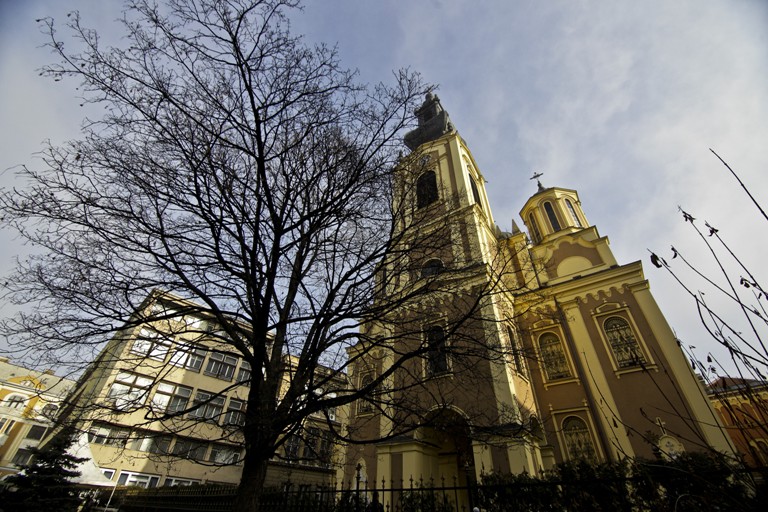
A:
x,y
590,367
28,401
124,398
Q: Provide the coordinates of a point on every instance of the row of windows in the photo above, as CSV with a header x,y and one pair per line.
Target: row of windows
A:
x,y
554,222
191,357
129,392
19,402
621,340
163,444
315,447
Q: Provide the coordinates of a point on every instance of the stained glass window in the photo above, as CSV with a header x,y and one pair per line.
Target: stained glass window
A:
x,y
578,441
553,357
623,343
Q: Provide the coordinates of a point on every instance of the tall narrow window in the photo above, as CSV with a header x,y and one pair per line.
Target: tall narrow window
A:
x,y
572,211
475,192
426,189
552,217
364,405
553,357
437,355
518,357
578,441
534,229
623,343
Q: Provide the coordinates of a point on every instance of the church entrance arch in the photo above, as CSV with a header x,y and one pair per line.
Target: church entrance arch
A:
x,y
448,434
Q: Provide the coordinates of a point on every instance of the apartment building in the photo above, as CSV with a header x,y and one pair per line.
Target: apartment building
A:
x,y
164,402
28,402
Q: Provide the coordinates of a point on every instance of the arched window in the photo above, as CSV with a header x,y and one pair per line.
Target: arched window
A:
x,y
15,402
49,411
551,216
475,192
364,406
623,343
553,358
572,211
535,234
578,441
760,448
432,268
437,354
426,189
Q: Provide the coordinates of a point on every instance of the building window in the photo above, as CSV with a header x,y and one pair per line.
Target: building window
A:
x,y
310,444
129,390
364,404
138,479
235,413
22,457
15,402
553,357
153,443
572,211
150,344
437,350
518,358
108,435
37,432
475,193
179,482
291,447
244,374
623,343
535,233
49,411
6,424
222,454
760,449
221,366
170,399
207,407
426,189
432,268
578,441
189,449
189,357
552,217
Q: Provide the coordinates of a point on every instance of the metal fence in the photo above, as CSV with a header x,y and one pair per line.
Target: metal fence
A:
x,y
410,496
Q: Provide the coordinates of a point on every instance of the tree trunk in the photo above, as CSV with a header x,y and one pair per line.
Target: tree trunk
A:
x,y
251,484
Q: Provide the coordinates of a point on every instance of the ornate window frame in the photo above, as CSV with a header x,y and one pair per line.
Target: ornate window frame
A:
x,y
364,407
605,312
588,432
557,333
572,212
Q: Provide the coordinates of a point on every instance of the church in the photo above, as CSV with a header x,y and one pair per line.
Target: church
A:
x,y
533,349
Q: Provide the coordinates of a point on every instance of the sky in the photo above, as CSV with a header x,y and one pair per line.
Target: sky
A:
x,y
620,100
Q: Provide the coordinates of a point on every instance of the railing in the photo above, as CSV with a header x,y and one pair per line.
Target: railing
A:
x,y
532,494
410,496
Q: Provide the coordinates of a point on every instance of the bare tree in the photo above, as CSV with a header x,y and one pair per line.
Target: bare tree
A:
x,y
245,172
730,300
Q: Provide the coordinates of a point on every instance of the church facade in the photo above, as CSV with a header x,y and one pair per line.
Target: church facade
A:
x,y
534,348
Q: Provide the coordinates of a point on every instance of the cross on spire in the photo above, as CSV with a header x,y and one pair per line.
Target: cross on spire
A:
x,y
536,176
